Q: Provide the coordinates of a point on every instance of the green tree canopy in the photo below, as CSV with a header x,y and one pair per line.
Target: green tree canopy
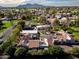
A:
x,y
55,51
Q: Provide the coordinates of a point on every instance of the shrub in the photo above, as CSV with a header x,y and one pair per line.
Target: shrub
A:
x,y
17,30
75,51
20,52
5,45
22,23
10,50
70,30
55,51
36,52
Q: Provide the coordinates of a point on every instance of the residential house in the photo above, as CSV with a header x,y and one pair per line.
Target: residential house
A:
x,y
63,36
63,21
51,21
42,27
58,16
33,33
47,39
34,44
24,40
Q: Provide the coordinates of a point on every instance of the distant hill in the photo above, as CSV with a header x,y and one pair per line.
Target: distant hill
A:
x,y
31,6
38,6
0,6
42,6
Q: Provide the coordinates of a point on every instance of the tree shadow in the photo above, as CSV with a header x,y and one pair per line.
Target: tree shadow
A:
x,y
44,57
4,27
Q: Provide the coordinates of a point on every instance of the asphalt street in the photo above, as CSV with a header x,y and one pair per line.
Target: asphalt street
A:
x,y
7,33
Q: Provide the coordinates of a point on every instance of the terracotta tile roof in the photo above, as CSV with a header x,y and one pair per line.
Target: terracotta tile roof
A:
x,y
50,42
34,43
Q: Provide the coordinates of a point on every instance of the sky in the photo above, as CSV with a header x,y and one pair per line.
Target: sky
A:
x,y
12,3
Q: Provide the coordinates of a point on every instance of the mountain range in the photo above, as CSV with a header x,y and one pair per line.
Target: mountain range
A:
x,y
31,6
0,6
35,6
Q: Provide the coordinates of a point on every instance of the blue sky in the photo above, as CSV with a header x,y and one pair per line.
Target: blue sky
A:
x,y
11,3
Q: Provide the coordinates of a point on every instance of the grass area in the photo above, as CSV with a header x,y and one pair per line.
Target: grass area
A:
x,y
57,28
15,21
75,31
6,25
76,35
75,28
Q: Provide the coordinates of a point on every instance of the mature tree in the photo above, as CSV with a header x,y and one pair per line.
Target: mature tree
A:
x,y
6,44
11,39
56,22
22,23
55,51
15,33
23,17
10,50
42,20
2,15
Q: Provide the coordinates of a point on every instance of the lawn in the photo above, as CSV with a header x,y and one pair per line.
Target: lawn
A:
x,y
75,32
15,21
6,25
76,35
75,28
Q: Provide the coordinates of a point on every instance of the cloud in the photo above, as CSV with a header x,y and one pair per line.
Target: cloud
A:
x,y
42,2
11,1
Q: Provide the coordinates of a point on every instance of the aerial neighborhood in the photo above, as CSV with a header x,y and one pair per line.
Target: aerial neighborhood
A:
x,y
39,31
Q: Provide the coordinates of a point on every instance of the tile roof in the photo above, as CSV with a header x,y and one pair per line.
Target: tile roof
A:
x,y
34,43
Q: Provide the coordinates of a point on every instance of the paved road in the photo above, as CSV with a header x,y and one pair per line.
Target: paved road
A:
x,y
7,33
